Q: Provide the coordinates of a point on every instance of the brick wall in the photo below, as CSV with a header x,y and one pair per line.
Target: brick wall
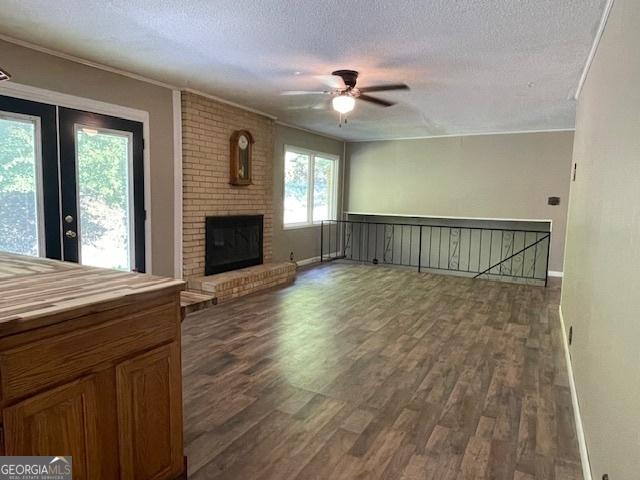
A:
x,y
206,128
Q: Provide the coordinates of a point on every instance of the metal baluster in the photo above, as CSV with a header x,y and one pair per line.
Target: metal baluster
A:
x,y
449,252
469,259
535,258
546,269
410,244
490,252
513,241
337,238
393,243
401,243
361,236
501,250
321,239
366,257
420,250
376,243
329,238
524,254
440,247
480,250
344,240
430,238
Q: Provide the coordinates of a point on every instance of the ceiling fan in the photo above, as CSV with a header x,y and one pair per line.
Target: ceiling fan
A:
x,y
345,92
4,75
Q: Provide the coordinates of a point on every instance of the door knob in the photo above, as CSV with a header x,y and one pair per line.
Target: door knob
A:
x,y
70,234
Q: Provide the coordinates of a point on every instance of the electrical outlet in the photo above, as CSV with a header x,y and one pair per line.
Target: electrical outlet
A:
x,y
291,257
605,477
570,335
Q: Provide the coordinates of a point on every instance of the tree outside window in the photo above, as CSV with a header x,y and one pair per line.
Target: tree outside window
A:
x,y
309,187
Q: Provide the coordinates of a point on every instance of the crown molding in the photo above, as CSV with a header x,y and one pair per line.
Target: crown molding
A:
x,y
124,73
82,61
594,47
471,134
313,132
228,102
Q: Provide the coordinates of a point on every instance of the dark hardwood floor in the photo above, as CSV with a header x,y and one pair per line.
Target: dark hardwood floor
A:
x,y
361,372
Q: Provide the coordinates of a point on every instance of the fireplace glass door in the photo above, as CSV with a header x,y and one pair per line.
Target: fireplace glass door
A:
x,y
232,242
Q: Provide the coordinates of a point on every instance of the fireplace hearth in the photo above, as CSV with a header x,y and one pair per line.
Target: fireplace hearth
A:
x,y
233,242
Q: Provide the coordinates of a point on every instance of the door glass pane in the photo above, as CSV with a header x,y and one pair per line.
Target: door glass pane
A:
x,y
104,199
19,192
323,189
296,188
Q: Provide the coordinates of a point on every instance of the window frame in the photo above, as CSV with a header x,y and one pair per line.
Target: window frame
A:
x,y
333,196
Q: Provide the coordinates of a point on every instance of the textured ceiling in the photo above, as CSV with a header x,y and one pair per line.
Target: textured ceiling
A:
x,y
473,65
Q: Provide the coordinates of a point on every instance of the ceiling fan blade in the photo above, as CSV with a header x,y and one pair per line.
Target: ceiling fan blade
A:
x,y
304,92
377,101
316,106
384,88
323,105
332,81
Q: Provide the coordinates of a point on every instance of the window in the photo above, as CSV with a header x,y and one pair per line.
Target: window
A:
x,y
20,190
105,197
310,187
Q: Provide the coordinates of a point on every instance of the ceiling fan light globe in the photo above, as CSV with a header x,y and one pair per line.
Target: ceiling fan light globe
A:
x,y
343,103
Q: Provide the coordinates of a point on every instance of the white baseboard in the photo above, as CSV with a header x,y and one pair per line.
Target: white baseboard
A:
x,y
553,273
312,260
308,261
582,444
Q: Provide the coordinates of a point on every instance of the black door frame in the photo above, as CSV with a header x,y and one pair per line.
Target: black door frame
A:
x,y
49,160
67,119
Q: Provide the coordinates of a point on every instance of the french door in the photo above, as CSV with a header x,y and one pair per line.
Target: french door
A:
x,y
29,189
71,185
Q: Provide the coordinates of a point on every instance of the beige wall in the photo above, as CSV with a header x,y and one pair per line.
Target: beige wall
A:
x,y
303,242
36,69
488,176
600,295
207,128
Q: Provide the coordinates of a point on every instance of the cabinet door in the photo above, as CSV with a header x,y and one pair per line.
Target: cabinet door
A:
x,y
149,395
61,421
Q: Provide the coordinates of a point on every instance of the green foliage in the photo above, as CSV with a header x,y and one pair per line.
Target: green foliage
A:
x,y
103,169
322,179
297,176
18,218
17,165
102,182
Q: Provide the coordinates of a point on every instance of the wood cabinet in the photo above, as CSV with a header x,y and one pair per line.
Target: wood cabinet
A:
x,y
98,379
149,421
63,419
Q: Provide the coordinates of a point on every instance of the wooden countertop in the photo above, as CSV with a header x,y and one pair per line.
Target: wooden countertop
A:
x,y
35,292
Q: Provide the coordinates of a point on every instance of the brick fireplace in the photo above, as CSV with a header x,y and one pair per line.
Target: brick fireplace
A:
x,y
206,128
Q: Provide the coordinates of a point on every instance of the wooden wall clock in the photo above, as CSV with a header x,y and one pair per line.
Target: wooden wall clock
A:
x,y
241,144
